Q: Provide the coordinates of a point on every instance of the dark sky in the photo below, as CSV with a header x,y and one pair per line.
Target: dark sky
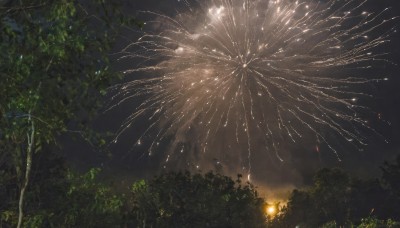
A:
x,y
304,160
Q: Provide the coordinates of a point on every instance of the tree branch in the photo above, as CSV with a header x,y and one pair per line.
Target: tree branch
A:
x,y
29,152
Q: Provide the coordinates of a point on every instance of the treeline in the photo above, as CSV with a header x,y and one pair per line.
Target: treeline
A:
x,y
338,200
58,197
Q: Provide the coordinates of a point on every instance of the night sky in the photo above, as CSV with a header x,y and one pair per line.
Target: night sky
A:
x,y
304,158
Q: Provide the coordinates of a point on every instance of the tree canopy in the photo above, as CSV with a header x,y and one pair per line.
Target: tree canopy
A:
x,y
185,200
337,199
54,67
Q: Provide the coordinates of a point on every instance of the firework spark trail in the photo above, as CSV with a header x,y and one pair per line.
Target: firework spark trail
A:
x,y
230,74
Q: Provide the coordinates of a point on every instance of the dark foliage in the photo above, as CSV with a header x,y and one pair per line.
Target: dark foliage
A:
x,y
185,200
335,196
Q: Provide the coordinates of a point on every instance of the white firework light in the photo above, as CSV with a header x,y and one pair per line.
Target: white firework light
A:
x,y
228,79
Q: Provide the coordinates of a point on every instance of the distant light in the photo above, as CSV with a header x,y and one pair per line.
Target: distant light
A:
x,y
271,210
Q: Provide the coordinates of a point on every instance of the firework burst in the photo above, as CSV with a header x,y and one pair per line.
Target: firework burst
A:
x,y
225,79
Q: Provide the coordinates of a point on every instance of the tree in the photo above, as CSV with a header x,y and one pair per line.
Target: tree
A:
x,y
391,176
336,199
326,200
391,182
88,203
331,195
298,211
54,65
46,190
375,223
185,200
369,198
61,198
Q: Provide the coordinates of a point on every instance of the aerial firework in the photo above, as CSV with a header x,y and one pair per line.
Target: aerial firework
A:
x,y
223,80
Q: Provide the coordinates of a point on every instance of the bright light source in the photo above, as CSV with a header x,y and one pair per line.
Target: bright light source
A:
x,y
271,210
